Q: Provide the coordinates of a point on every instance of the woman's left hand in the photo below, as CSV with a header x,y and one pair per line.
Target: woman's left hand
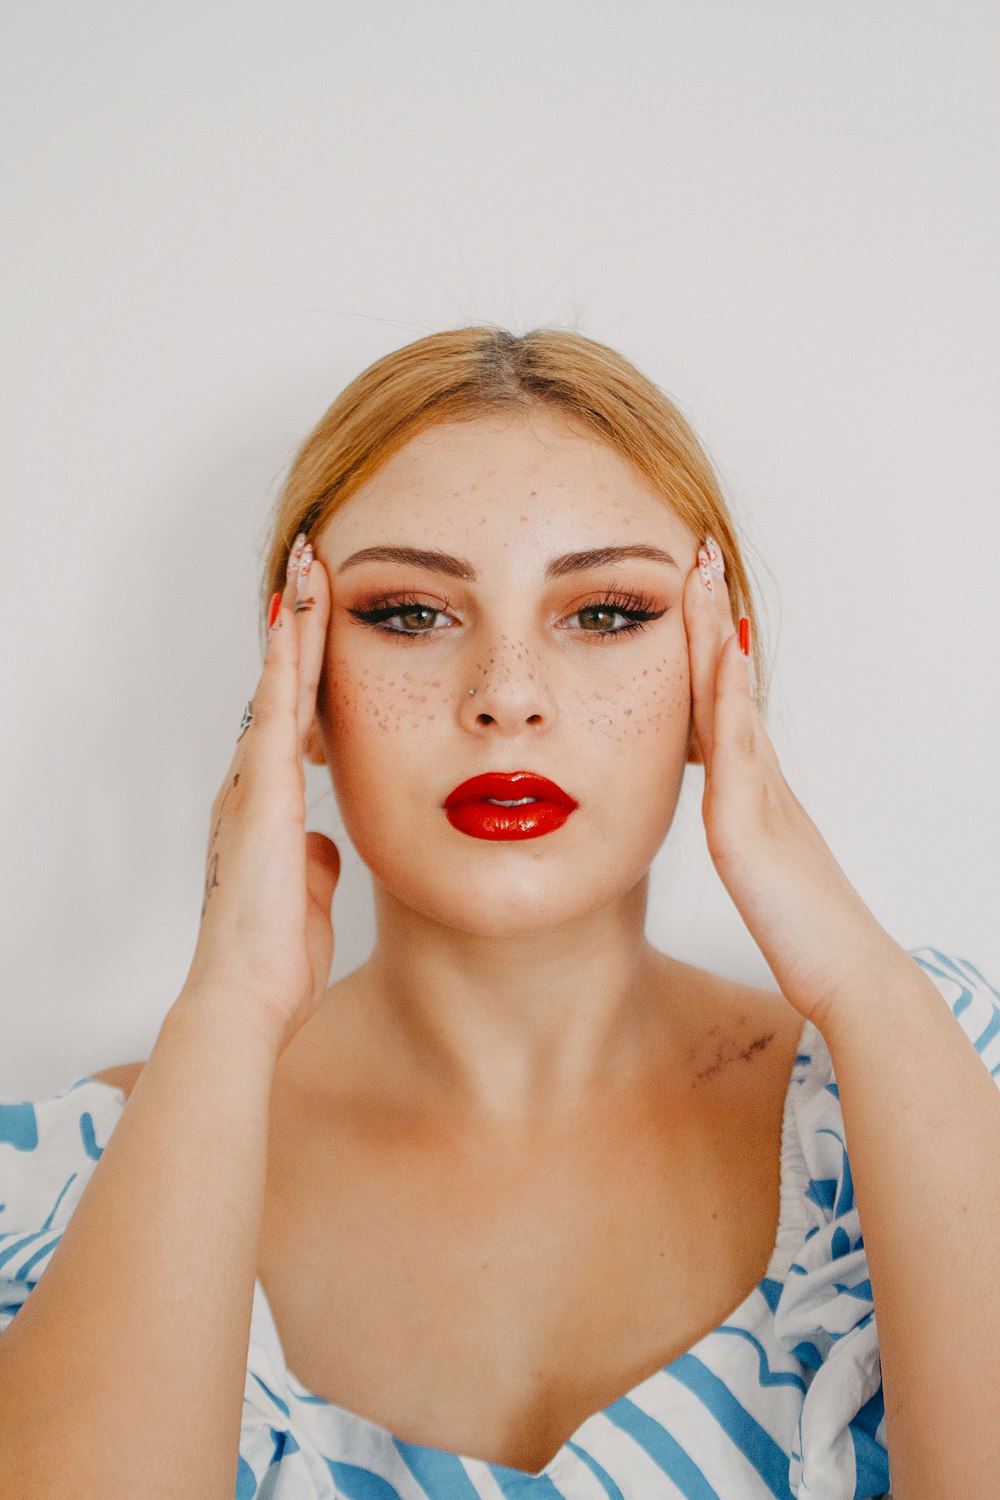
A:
x,y
817,935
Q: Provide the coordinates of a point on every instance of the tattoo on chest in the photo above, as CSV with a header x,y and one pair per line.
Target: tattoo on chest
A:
x,y
732,1053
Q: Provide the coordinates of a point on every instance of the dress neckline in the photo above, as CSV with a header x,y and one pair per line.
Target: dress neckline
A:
x,y
791,1226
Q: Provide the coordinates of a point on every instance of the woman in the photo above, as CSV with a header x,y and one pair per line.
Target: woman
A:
x,y
522,1205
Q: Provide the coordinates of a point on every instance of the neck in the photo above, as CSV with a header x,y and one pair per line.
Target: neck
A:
x,y
526,1027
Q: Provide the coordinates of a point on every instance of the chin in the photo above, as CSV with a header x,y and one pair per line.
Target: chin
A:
x,y
506,903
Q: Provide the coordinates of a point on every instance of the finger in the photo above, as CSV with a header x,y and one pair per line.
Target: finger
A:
x,y
322,869
733,694
322,875
274,731
312,611
740,663
701,616
717,571
738,724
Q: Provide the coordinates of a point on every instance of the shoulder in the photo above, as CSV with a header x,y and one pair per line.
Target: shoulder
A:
x,y
49,1147
736,1034
123,1076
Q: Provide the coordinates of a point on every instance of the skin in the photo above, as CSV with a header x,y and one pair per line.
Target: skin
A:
x,y
594,1126
519,1124
527,995
512,978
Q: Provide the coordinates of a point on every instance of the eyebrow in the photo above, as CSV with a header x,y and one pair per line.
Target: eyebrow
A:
x,y
557,567
603,557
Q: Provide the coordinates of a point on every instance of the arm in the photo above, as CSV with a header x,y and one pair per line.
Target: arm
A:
x,y
921,1113
922,1123
123,1373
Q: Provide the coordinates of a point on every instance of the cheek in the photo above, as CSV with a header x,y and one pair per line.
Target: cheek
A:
x,y
370,701
654,701
673,703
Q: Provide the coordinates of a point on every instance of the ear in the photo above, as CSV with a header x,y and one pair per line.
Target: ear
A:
x,y
313,746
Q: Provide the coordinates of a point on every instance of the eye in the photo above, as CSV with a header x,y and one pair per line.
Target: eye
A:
x,y
381,611
635,609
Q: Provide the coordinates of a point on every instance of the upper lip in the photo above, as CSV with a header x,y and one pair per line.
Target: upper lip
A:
x,y
506,786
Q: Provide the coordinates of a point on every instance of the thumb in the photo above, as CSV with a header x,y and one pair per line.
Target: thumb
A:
x,y
322,868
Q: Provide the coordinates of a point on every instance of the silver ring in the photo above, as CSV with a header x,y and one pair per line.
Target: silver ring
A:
x,y
247,721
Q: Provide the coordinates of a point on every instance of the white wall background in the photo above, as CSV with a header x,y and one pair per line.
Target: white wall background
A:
x,y
217,214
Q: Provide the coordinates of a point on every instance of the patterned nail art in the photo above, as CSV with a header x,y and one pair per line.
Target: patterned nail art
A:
x,y
704,568
714,553
305,563
295,556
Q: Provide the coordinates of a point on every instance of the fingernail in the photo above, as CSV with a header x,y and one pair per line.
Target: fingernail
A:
x,y
714,553
294,556
705,570
305,564
744,635
272,613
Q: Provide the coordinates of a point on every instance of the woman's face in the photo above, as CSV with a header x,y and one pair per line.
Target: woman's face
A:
x,y
565,686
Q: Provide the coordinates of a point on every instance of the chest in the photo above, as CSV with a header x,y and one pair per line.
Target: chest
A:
x,y
486,1299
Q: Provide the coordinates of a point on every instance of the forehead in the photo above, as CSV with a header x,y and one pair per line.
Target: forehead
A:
x,y
485,479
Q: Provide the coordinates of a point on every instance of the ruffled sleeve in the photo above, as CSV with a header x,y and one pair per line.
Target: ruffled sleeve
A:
x,y
825,1313
48,1149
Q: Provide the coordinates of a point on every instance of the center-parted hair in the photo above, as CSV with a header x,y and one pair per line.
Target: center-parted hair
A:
x,y
460,374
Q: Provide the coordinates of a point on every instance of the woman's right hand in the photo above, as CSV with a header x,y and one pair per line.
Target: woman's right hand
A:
x,y
266,939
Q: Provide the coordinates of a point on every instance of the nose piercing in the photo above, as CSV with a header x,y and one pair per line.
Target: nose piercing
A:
x,y
471,692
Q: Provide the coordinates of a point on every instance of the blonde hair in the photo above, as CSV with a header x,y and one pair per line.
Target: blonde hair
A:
x,y
463,373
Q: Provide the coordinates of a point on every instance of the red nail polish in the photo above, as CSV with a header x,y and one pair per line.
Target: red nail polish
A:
x,y
745,635
272,613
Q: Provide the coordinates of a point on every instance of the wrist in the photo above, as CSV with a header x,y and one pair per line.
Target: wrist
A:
x,y
218,1015
884,980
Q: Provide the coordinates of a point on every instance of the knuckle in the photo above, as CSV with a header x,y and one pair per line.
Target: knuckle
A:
x,y
280,781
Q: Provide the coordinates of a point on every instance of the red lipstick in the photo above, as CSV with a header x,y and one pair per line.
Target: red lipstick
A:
x,y
469,809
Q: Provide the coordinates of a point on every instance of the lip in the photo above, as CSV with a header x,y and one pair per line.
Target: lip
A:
x,y
470,813
507,786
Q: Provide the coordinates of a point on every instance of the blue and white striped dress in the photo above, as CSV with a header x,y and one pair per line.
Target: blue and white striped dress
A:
x,y
782,1399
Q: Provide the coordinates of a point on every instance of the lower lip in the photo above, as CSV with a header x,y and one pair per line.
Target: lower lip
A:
x,y
484,820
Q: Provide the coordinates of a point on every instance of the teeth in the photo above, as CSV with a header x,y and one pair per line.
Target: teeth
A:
x,y
519,803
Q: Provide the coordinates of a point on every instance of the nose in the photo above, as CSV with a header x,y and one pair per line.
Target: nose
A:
x,y
510,691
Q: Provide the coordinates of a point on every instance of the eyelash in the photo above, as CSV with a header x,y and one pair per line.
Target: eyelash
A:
x,y
637,609
383,609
